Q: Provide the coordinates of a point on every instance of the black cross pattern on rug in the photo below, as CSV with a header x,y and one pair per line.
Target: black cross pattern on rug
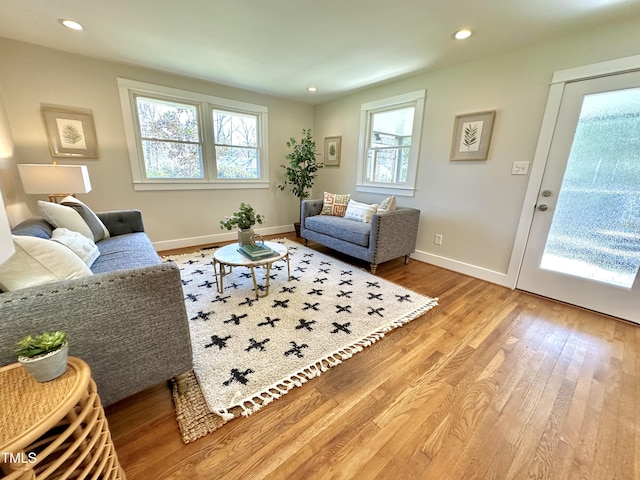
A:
x,y
202,316
305,324
301,269
306,262
296,350
192,296
311,306
346,282
404,298
216,341
341,327
235,319
316,291
186,282
346,272
280,303
376,311
320,280
341,309
288,289
324,270
191,262
344,294
248,302
233,285
277,267
373,284
325,263
221,299
245,275
308,254
198,272
375,296
207,284
269,321
257,345
238,376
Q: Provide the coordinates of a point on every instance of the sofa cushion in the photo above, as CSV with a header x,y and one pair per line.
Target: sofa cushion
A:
x,y
61,216
37,262
130,250
362,212
388,204
352,231
335,204
82,246
96,226
34,227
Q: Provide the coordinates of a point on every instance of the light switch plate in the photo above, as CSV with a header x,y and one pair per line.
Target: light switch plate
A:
x,y
520,168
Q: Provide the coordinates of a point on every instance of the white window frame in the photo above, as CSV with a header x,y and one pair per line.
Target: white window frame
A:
x,y
129,89
408,188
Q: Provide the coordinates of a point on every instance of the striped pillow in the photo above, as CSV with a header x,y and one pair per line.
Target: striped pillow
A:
x,y
360,211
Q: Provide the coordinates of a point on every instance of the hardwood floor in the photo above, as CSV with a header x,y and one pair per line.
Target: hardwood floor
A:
x,y
492,383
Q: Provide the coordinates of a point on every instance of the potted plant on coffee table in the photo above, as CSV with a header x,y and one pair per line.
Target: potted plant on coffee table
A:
x,y
244,219
302,169
44,355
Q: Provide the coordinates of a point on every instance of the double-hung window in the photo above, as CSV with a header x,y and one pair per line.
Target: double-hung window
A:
x,y
183,140
390,132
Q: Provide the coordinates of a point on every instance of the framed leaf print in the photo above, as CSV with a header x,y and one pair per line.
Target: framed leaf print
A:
x,y
332,151
71,132
472,136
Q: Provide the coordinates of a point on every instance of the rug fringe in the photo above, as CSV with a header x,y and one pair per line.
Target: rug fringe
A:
x,y
255,403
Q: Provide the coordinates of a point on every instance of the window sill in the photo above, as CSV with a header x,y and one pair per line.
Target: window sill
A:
x,y
386,190
168,185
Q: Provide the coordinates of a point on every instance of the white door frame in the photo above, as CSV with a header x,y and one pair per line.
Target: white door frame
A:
x,y
558,83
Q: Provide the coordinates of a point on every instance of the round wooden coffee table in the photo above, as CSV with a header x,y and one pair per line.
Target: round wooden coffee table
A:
x,y
227,257
55,429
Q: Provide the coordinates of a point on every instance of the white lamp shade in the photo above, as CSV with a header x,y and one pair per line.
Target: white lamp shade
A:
x,y
47,179
6,242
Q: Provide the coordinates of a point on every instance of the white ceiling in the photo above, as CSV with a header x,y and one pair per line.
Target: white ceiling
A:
x,y
281,47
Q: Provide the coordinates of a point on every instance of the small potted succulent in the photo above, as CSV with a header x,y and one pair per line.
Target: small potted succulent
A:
x,y
44,355
244,220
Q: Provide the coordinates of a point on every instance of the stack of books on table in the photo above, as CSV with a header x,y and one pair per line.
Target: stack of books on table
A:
x,y
256,252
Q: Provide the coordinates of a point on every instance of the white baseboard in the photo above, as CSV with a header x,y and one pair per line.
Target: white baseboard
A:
x,y
215,238
464,268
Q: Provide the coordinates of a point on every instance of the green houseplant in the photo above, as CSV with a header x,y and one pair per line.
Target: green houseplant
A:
x,y
244,219
44,355
302,169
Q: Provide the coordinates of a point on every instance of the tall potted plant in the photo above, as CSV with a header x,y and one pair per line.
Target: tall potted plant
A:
x,y
302,169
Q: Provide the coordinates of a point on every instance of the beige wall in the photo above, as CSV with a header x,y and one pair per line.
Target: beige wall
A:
x,y
476,206
32,75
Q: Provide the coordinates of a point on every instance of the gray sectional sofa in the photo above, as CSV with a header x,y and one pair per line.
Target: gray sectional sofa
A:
x,y
127,321
389,235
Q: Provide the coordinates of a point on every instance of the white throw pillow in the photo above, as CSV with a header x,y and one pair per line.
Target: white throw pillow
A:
x,y
82,246
360,211
98,229
38,261
388,204
61,216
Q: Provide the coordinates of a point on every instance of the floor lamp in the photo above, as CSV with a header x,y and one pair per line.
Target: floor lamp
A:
x,y
62,180
6,242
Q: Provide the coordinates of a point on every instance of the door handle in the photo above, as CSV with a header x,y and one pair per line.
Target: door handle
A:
x,y
543,207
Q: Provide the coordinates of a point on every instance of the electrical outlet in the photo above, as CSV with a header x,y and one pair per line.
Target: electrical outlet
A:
x,y
437,239
520,168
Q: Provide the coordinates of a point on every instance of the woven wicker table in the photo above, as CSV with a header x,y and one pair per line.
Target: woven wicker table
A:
x,y
55,429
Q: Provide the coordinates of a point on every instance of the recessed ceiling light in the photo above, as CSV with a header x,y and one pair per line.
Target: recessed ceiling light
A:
x,y
462,34
312,89
73,25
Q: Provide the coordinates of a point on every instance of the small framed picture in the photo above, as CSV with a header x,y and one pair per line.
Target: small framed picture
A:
x,y
71,132
332,151
472,136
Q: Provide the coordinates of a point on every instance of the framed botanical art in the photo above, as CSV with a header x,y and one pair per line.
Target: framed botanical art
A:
x,y
332,151
472,136
71,132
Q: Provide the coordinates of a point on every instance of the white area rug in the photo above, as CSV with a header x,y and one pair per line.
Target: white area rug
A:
x,y
248,352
